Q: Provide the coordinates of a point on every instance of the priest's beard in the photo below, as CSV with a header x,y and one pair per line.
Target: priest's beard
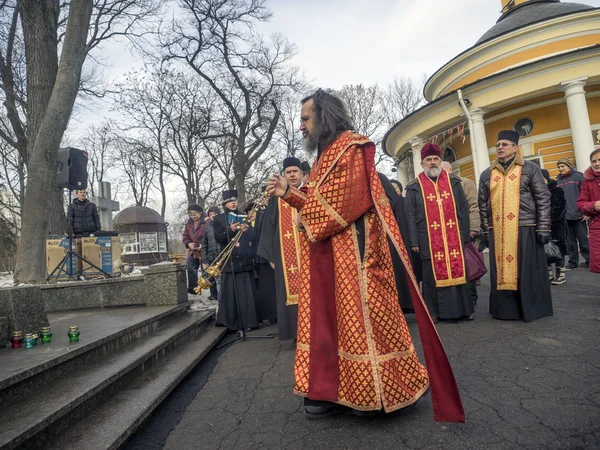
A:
x,y
312,141
433,172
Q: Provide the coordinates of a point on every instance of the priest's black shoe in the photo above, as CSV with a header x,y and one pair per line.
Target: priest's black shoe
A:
x,y
314,410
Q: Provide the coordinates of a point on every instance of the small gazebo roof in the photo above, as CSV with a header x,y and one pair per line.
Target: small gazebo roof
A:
x,y
137,215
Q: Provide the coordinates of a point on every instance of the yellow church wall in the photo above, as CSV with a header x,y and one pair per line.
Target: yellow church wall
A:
x,y
502,94
546,120
467,170
529,38
527,55
525,103
593,104
552,150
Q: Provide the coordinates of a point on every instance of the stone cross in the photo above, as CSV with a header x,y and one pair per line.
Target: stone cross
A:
x,y
105,206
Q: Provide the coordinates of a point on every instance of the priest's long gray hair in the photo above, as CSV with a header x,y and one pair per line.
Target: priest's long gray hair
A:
x,y
331,119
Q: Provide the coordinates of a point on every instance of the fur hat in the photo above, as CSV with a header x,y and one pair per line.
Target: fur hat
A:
x,y
214,209
291,162
509,135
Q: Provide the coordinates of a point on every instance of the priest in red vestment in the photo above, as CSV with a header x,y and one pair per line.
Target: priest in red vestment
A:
x,y
354,350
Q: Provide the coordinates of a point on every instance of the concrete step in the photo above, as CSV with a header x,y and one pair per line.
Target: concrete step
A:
x,y
103,332
116,419
47,410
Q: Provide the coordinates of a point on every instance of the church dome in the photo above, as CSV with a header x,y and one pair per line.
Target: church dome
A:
x,y
530,12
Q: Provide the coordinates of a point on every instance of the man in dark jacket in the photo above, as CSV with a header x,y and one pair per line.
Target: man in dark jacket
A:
x,y
514,205
192,239
237,296
437,214
210,247
570,181
84,215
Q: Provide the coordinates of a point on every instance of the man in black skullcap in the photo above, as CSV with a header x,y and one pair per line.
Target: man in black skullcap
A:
x,y
514,205
238,288
305,167
279,244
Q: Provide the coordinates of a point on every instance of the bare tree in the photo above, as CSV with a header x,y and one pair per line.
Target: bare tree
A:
x,y
139,175
51,93
99,144
218,40
32,34
145,100
287,134
402,97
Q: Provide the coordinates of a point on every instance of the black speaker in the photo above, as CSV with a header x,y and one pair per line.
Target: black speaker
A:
x,y
71,168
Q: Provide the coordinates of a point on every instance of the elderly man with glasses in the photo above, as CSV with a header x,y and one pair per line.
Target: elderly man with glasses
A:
x,y
514,205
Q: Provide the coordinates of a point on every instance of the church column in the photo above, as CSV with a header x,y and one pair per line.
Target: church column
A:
x,y
581,130
481,156
403,173
416,144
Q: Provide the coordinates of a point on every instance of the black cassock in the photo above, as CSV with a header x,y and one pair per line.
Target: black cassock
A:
x,y
269,248
397,203
237,294
267,300
452,302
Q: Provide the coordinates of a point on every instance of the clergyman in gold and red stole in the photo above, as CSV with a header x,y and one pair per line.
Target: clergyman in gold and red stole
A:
x,y
515,211
505,187
445,244
354,347
438,222
289,242
279,243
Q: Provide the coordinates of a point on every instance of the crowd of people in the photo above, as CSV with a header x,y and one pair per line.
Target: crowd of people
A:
x,y
339,256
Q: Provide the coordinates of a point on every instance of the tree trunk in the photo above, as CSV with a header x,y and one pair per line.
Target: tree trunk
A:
x,y
30,263
39,19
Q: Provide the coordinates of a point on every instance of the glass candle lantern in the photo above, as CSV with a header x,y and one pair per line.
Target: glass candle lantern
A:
x,y
16,339
73,334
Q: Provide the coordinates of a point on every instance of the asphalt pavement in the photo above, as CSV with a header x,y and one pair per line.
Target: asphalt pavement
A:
x,y
529,386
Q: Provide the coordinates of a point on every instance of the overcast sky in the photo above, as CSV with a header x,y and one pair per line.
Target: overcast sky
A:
x,y
354,41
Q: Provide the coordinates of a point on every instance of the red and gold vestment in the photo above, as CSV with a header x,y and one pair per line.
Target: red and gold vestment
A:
x,y
354,346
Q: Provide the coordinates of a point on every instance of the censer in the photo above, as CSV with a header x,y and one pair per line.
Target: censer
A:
x,y
212,272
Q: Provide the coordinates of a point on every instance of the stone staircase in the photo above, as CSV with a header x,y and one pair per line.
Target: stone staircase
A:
x,y
94,394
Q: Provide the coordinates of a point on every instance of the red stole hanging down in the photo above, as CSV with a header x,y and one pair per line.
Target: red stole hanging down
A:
x,y
290,251
442,228
324,369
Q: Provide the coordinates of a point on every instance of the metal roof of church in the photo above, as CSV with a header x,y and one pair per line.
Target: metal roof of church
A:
x,y
531,12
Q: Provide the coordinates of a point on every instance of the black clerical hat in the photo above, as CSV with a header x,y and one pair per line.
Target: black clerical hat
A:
x,y
291,162
305,166
508,135
229,196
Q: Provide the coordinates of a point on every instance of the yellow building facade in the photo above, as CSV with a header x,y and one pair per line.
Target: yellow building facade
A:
x,y
537,71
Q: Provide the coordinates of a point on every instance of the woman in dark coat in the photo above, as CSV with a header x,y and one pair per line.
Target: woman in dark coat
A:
x,y
559,227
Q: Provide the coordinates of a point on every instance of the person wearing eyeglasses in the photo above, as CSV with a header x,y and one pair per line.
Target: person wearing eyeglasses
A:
x,y
514,205
83,215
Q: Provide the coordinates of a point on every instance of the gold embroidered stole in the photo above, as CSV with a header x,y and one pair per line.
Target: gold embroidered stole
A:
x,y
289,242
506,197
443,231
